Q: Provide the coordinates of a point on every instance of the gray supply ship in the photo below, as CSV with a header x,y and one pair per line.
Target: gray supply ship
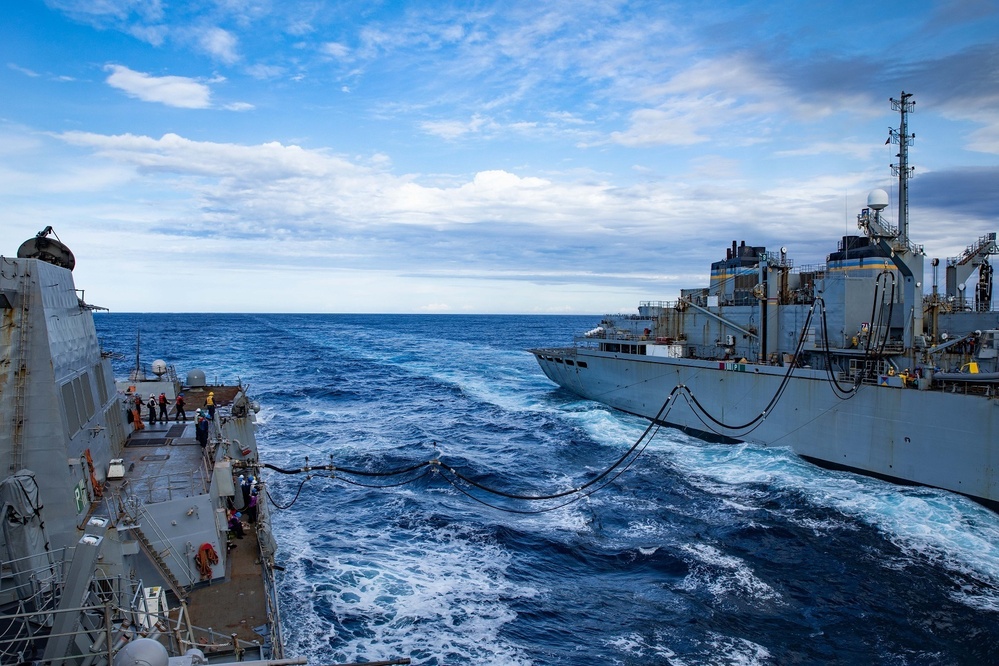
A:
x,y
120,540
850,363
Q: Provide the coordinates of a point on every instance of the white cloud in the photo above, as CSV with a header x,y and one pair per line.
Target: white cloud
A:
x,y
178,91
657,127
220,44
145,10
153,34
335,49
143,19
22,70
492,241
985,139
452,129
262,71
859,150
272,188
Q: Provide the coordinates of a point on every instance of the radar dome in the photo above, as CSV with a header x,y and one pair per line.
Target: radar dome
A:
x,y
142,652
878,200
159,367
196,378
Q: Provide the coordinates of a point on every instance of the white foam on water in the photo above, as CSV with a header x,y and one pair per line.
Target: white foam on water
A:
x,y
265,415
715,649
575,518
640,647
603,423
724,575
497,379
648,530
737,651
439,596
944,528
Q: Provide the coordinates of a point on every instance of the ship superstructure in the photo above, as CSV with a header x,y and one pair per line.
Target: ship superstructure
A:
x,y
848,362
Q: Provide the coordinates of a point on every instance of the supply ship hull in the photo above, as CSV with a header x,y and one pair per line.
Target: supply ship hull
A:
x,y
932,437
849,363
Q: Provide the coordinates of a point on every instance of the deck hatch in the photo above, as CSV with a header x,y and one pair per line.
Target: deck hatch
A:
x,y
147,441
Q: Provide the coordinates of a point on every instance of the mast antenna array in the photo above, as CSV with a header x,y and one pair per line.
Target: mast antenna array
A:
x,y
903,139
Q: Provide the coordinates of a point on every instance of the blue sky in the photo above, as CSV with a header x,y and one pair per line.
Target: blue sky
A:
x,y
477,157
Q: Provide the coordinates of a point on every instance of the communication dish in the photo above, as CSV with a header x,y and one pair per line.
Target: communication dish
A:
x,y
196,378
877,199
49,250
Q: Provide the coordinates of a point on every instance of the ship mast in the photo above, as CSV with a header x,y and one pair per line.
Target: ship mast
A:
x,y
903,139
895,243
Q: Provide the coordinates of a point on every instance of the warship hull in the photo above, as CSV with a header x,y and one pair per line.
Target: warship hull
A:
x,y
118,544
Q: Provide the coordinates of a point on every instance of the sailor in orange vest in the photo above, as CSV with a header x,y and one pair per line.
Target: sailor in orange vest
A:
x,y
137,412
164,412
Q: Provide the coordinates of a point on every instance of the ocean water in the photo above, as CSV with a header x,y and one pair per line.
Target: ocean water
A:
x,y
696,553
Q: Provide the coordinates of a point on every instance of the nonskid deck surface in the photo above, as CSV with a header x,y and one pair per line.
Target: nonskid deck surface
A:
x,y
164,461
239,604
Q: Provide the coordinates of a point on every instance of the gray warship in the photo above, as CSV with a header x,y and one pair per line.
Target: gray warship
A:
x,y
851,363
117,543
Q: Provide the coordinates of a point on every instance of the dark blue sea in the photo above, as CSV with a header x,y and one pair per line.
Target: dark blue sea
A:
x,y
698,553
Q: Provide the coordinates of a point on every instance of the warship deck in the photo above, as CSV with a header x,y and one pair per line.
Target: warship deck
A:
x,y
164,461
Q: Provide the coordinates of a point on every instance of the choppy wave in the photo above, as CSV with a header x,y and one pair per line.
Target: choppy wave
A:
x,y
698,554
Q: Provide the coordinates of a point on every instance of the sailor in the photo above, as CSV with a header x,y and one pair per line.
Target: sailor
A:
x,y
137,412
152,408
201,429
134,407
164,412
180,414
210,404
236,525
251,510
244,486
